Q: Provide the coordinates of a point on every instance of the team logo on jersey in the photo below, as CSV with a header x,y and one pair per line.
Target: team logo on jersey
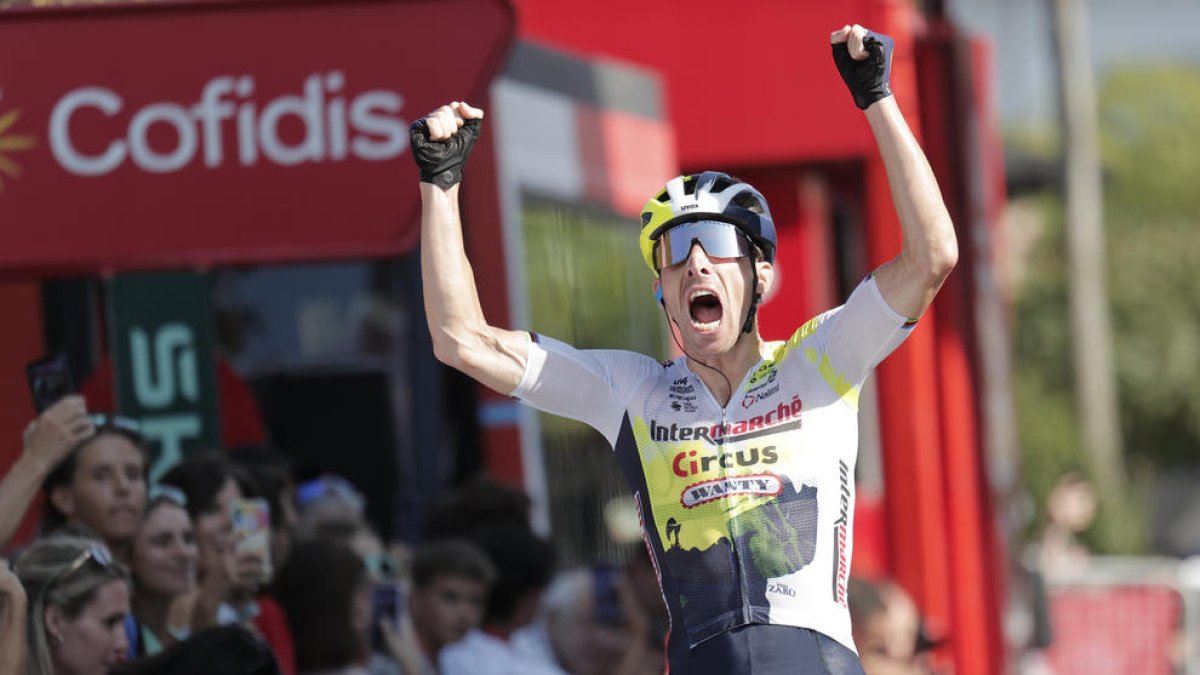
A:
x,y
693,462
753,485
783,417
686,406
681,387
683,395
841,538
764,374
761,395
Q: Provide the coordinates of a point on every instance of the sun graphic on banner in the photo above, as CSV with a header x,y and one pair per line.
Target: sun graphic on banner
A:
x,y
10,143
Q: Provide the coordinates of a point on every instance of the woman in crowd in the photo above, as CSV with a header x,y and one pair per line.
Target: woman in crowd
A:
x,y
228,580
78,597
101,485
324,592
164,569
271,470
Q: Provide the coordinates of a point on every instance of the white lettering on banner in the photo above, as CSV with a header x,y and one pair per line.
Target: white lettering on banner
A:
x,y
170,431
158,384
60,132
160,391
139,138
372,130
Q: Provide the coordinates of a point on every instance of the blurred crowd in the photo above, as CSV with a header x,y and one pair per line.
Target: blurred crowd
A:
x,y
236,562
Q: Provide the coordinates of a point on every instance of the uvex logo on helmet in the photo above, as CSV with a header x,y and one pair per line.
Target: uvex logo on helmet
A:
x,y
320,124
11,142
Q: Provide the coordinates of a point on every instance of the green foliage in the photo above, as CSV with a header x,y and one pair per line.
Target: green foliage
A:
x,y
1150,129
1151,136
588,285
1042,384
1150,126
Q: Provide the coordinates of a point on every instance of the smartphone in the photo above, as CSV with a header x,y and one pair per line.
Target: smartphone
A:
x,y
49,380
388,600
251,520
607,608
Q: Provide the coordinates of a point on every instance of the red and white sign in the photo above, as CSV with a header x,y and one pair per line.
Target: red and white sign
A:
x,y
201,133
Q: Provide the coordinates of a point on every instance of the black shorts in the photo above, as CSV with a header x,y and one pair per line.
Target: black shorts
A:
x,y
760,649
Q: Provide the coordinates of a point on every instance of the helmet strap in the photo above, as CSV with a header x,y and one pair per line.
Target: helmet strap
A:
x,y
755,296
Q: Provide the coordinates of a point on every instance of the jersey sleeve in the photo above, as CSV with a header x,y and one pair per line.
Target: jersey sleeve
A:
x,y
589,385
847,342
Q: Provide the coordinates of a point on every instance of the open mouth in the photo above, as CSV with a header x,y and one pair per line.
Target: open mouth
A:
x,y
705,310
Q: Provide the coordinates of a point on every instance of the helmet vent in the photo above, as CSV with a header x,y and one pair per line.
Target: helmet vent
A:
x,y
721,183
748,201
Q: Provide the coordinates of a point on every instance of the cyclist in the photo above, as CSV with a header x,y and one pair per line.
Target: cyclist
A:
x,y
740,453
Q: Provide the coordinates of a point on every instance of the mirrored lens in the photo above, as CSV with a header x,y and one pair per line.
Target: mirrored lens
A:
x,y
719,240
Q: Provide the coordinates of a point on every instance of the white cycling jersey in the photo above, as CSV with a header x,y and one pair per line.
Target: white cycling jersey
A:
x,y
747,508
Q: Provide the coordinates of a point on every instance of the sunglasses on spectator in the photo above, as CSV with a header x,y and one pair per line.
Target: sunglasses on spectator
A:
x,y
166,493
326,486
95,552
120,423
382,564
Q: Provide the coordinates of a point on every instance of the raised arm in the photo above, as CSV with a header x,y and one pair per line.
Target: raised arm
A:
x,y
48,440
461,336
909,281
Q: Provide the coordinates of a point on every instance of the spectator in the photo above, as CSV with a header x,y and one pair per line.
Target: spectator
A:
x,y
382,567
325,595
271,470
328,501
886,626
450,583
590,624
101,484
477,505
642,581
79,597
228,580
48,440
907,637
211,485
13,605
524,565
163,567
393,646
1070,510
221,650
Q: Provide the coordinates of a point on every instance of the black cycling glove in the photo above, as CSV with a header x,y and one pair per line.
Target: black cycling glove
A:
x,y
442,162
867,79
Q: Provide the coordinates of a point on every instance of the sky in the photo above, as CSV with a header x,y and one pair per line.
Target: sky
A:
x,y
1122,32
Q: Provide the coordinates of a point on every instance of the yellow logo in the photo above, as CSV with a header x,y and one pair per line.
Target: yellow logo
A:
x,y
10,143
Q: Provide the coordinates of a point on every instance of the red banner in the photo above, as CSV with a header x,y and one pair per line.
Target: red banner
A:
x,y
203,133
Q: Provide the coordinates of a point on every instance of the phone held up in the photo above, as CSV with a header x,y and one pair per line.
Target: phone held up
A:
x,y
49,380
388,600
251,520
